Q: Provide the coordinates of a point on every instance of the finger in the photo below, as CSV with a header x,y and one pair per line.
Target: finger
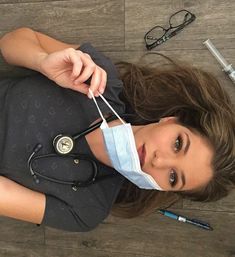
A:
x,y
103,82
77,69
88,68
86,73
95,81
76,61
82,88
87,55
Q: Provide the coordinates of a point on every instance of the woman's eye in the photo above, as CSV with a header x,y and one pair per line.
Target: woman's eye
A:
x,y
178,144
173,178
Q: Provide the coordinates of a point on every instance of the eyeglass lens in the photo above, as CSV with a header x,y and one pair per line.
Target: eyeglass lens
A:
x,y
179,18
176,20
155,34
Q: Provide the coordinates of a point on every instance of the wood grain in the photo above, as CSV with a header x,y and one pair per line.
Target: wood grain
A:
x,y
214,20
97,21
155,236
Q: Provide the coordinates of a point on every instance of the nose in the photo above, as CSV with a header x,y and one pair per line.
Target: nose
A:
x,y
163,160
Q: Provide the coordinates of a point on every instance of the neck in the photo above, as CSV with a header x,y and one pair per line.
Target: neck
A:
x,y
96,143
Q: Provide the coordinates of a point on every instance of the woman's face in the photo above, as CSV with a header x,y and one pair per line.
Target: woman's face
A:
x,y
177,158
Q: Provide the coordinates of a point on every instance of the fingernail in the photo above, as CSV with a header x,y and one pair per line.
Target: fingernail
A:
x,y
90,94
101,91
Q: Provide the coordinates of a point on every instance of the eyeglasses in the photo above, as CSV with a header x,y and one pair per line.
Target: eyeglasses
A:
x,y
158,35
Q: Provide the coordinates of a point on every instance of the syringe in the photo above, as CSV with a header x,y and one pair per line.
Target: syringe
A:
x,y
227,68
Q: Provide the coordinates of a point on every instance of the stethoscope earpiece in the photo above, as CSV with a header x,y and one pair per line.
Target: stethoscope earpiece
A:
x,y
37,148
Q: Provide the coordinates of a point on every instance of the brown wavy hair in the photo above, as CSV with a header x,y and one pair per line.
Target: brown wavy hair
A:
x,y
196,98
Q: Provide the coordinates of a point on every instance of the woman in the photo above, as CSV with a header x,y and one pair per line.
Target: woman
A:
x,y
182,123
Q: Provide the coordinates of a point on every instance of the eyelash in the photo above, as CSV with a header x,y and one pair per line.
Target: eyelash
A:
x,y
173,178
177,147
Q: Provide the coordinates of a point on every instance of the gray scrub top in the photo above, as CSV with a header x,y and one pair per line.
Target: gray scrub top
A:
x,y
34,110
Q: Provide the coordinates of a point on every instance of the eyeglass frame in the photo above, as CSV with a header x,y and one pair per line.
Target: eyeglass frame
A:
x,y
164,38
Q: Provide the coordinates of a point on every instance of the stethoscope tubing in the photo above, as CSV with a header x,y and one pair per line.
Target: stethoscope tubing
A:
x,y
75,184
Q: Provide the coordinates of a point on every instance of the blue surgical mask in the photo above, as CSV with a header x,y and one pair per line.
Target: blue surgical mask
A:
x,y
120,145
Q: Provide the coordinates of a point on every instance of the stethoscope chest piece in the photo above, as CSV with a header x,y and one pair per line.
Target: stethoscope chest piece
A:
x,y
63,144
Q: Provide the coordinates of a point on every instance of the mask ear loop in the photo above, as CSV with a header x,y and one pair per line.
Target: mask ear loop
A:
x,y
91,93
107,105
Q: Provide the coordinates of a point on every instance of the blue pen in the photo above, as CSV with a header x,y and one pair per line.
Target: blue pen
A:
x,y
194,222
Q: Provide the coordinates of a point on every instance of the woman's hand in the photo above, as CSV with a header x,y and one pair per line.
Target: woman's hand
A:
x,y
70,68
58,61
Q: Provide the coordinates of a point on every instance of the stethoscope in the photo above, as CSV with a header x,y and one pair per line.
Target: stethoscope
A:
x,y
63,145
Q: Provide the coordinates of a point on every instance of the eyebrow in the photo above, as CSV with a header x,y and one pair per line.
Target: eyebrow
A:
x,y
182,180
187,144
185,151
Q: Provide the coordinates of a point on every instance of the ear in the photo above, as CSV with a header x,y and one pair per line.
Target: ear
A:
x,y
168,119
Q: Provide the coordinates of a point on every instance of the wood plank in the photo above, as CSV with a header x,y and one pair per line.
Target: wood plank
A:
x,y
68,20
37,250
20,232
215,20
155,236
26,1
9,249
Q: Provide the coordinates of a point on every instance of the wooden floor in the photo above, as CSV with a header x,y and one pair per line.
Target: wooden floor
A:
x,y
117,28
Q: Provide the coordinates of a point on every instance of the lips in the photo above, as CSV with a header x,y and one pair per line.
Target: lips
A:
x,y
142,153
